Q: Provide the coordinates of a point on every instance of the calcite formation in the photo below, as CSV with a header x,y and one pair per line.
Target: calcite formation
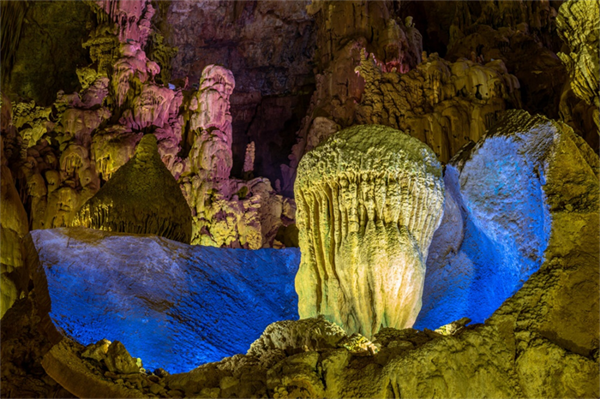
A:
x,y
268,46
141,198
541,342
13,227
344,29
369,200
445,105
577,24
486,247
70,149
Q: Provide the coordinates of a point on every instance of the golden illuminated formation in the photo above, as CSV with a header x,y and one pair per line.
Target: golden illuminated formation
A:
x,y
141,198
368,202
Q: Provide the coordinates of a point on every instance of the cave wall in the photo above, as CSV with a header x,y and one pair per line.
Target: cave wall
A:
x,y
269,47
41,47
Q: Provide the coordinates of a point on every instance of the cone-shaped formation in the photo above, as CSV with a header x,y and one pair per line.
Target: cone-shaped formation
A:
x,y
369,200
142,198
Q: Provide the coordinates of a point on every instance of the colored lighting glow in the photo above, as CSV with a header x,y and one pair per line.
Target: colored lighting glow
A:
x,y
175,306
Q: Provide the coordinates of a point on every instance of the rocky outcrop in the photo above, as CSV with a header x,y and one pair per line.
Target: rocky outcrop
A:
x,y
141,198
13,227
445,105
160,298
268,46
576,23
369,200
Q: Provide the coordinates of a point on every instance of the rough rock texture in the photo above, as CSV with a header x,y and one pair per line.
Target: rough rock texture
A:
x,y
577,24
268,45
173,305
41,47
445,105
488,245
369,200
69,149
141,198
13,227
541,343
23,344
343,30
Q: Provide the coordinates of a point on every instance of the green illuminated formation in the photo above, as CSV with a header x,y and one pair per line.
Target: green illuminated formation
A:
x,y
141,198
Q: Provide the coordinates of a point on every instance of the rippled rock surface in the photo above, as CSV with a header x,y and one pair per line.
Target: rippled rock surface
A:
x,y
173,305
369,200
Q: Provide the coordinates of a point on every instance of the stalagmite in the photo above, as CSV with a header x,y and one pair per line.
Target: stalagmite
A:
x,y
141,198
368,200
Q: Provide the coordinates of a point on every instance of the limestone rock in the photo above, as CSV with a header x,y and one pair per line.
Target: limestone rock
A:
x,y
162,299
23,345
369,200
312,334
13,227
97,351
541,342
576,22
142,198
445,105
118,360
268,46
70,149
343,30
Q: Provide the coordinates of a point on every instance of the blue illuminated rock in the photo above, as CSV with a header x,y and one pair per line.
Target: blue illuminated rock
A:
x,y
498,214
173,305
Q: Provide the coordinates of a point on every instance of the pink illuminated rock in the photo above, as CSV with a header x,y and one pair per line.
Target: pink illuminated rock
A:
x,y
93,146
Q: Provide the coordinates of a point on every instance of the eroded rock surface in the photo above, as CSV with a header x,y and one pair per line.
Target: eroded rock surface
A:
x,y
14,226
445,105
172,305
68,150
577,25
499,214
369,200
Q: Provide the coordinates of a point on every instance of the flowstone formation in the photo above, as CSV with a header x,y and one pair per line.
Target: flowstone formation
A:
x,y
141,198
369,200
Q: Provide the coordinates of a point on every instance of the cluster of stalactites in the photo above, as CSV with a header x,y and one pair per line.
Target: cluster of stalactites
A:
x,y
351,200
